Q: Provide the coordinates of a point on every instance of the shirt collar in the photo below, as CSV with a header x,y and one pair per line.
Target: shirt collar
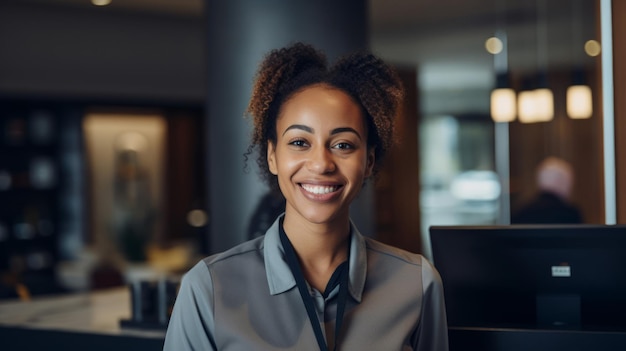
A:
x,y
280,278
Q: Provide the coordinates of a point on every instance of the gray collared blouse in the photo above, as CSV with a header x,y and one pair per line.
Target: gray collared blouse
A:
x,y
246,299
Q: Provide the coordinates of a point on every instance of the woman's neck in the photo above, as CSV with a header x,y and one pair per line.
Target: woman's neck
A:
x,y
321,248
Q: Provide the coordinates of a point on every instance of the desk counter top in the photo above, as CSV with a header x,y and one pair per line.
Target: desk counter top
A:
x,y
68,321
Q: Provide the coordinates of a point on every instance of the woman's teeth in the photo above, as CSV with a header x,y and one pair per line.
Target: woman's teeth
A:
x,y
315,189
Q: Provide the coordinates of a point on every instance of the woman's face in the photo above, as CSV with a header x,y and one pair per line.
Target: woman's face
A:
x,y
321,157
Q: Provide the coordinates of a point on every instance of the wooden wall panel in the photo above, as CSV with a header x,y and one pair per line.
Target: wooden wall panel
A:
x,y
398,187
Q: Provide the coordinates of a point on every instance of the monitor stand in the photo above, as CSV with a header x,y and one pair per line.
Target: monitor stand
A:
x,y
558,311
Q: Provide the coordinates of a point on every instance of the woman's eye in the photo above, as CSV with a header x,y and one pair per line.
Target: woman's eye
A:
x,y
344,146
298,143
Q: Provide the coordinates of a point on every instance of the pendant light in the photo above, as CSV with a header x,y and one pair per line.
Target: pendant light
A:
x,y
537,105
579,101
503,104
503,97
579,97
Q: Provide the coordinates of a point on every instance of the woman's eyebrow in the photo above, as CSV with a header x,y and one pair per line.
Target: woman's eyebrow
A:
x,y
299,126
345,129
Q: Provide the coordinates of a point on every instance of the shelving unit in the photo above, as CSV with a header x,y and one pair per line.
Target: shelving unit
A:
x,y
30,179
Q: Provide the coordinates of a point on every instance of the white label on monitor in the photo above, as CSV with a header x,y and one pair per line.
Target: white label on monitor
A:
x,y
561,271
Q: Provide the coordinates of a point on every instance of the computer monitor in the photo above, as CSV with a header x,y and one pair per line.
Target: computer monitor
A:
x,y
533,276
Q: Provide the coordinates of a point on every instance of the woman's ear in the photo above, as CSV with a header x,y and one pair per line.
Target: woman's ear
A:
x,y
371,160
271,158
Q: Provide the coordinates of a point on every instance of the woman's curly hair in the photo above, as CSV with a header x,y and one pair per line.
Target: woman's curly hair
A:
x,y
372,83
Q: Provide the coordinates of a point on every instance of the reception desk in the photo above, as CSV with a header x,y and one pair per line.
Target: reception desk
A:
x,y
86,321
91,321
496,339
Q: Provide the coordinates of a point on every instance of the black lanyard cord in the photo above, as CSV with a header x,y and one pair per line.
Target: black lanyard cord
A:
x,y
292,260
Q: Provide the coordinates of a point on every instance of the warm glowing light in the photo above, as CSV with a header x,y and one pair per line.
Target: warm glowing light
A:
x,y
526,106
197,218
100,2
503,107
579,102
544,100
536,106
593,48
494,45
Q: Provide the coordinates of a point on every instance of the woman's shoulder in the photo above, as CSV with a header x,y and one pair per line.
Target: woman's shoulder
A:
x,y
238,252
387,258
394,253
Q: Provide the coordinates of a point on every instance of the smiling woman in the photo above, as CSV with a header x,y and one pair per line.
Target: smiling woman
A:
x,y
319,157
313,279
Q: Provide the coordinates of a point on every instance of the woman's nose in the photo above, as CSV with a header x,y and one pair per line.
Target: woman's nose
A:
x,y
321,161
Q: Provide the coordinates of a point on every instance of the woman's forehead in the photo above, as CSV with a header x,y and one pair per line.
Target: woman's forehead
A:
x,y
321,104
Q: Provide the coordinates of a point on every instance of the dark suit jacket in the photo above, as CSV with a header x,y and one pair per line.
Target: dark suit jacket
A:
x,y
547,208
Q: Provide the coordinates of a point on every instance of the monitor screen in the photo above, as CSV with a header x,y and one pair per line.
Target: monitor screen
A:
x,y
533,276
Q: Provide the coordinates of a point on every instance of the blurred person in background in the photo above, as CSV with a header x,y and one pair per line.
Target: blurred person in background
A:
x,y
552,203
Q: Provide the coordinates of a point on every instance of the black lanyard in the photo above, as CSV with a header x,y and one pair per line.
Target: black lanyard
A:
x,y
292,260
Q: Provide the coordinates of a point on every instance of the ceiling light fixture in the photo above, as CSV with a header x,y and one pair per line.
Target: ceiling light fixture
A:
x,y
593,48
494,45
100,2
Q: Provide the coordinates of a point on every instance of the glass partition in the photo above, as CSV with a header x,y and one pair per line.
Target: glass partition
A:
x,y
474,169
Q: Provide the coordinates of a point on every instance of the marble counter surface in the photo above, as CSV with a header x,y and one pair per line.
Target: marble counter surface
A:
x,y
82,317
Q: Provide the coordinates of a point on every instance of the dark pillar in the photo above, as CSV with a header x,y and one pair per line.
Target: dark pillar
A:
x,y
240,32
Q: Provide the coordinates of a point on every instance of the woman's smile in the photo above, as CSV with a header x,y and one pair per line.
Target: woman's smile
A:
x,y
319,190
321,193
